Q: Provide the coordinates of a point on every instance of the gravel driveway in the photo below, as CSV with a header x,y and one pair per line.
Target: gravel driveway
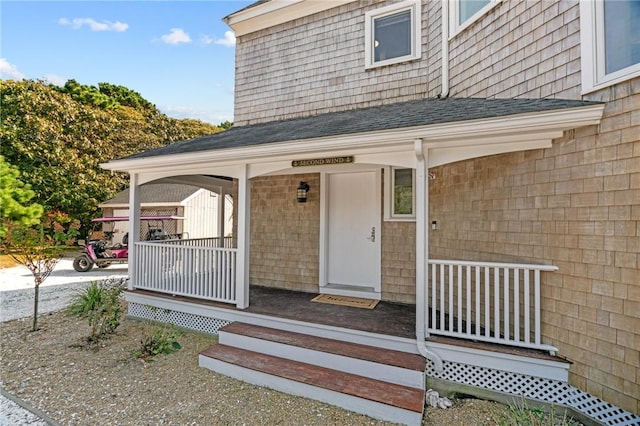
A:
x,y
16,288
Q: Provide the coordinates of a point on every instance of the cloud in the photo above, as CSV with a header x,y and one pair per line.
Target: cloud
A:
x,y
93,25
8,71
213,117
55,79
176,36
229,39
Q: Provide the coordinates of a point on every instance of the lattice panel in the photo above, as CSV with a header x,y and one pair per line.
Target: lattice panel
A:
x,y
180,319
551,391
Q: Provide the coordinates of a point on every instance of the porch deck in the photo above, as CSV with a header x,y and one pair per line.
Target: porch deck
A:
x,y
391,319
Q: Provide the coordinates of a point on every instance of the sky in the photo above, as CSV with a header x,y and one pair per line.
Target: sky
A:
x,y
179,55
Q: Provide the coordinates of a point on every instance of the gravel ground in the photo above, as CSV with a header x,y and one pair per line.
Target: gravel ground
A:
x,y
55,371
16,288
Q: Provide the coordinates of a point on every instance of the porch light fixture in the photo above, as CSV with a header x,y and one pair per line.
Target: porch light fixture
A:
x,y
302,190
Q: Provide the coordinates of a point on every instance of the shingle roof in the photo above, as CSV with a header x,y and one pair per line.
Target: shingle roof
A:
x,y
421,112
156,193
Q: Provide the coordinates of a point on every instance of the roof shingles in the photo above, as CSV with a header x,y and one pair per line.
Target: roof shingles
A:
x,y
423,112
156,193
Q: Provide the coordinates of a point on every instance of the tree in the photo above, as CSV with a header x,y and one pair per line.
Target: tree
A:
x,y
226,125
39,248
58,136
14,199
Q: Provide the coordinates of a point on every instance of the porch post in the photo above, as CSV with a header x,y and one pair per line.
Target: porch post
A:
x,y
134,226
242,255
221,215
422,237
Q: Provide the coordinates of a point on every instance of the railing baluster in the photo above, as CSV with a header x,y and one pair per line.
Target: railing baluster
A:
x,y
516,304
434,286
505,313
442,311
536,303
450,297
526,306
496,303
459,297
478,302
468,283
487,303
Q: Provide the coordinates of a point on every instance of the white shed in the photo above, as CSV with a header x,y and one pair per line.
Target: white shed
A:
x,y
204,215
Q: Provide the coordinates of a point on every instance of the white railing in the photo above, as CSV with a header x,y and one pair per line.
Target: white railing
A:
x,y
217,242
485,301
193,268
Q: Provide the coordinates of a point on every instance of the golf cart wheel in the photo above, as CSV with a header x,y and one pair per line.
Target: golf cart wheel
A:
x,y
104,265
82,264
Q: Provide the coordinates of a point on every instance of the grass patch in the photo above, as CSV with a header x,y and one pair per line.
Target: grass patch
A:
x,y
522,414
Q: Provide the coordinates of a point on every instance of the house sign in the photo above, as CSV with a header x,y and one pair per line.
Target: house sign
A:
x,y
322,161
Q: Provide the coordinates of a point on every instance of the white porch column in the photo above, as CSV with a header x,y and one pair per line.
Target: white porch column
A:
x,y
134,226
422,237
422,252
242,255
221,213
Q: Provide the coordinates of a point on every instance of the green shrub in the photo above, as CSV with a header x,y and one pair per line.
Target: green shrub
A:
x,y
161,340
101,304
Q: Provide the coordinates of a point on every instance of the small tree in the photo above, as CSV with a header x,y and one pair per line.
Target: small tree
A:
x,y
39,248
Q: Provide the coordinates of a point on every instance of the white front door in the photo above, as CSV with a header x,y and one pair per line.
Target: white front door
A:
x,y
353,234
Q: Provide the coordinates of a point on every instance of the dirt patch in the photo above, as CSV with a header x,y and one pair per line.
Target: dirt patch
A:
x,y
55,371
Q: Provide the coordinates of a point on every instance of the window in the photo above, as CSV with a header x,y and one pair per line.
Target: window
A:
x,y
610,38
392,34
463,13
400,193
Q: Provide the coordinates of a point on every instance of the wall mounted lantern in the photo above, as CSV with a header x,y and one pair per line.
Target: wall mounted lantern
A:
x,y
302,190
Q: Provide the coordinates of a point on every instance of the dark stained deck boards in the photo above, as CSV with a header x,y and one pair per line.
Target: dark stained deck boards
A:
x,y
337,347
373,390
393,319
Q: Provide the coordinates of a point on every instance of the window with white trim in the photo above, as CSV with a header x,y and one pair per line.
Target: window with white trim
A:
x,y
392,34
463,13
400,193
610,38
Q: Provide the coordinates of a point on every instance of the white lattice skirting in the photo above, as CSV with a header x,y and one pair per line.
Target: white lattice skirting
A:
x,y
180,319
551,391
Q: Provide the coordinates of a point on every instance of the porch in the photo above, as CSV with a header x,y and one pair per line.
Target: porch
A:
x,y
489,302
284,340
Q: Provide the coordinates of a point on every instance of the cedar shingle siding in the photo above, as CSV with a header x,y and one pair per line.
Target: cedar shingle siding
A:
x,y
575,205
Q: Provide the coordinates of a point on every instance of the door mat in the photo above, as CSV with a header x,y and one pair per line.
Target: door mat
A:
x,y
354,302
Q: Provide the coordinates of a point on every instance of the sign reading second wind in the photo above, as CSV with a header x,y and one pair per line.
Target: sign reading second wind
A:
x,y
322,161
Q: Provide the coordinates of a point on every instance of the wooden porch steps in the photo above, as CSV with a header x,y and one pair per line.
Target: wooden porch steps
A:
x,y
383,384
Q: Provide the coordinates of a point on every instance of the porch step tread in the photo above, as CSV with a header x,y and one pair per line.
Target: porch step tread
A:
x,y
391,394
337,347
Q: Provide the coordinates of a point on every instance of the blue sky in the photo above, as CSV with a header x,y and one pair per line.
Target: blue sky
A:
x,y
178,54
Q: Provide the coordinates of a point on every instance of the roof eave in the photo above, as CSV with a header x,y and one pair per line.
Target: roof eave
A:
x,y
272,13
548,124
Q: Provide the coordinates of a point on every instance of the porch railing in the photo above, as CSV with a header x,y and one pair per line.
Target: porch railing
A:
x,y
203,268
216,242
485,301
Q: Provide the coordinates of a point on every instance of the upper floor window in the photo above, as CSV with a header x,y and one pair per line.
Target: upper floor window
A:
x,y
392,34
610,37
463,13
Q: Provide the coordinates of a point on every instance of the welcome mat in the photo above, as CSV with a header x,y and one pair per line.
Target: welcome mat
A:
x,y
354,302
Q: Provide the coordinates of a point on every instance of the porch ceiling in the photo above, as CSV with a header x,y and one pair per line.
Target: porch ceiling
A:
x,y
455,128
